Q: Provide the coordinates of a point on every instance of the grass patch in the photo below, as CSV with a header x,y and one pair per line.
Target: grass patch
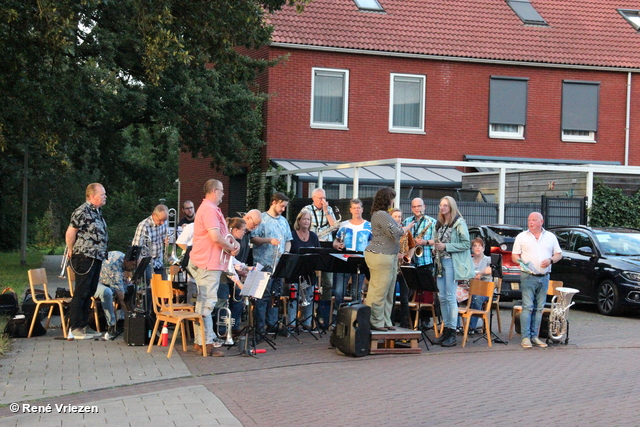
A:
x,y
13,275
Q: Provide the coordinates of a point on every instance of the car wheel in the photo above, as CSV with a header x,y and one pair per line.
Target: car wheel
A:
x,y
608,300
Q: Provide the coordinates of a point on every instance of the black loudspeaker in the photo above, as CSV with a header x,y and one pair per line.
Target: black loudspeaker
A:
x,y
136,331
352,334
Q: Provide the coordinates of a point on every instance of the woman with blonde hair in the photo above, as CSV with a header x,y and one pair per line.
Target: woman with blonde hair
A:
x,y
453,263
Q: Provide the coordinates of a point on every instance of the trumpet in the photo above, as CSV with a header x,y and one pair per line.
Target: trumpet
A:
x,y
304,285
225,320
64,263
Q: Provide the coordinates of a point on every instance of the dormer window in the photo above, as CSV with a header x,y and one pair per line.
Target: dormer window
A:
x,y
632,17
369,5
526,12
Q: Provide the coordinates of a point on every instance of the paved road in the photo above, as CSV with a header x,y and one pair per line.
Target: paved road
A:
x,y
588,382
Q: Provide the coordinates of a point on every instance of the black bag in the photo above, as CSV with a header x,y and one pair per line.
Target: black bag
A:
x,y
8,303
63,293
18,327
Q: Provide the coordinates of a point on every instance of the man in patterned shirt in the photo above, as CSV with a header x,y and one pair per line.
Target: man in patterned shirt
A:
x,y
87,239
422,232
155,228
112,281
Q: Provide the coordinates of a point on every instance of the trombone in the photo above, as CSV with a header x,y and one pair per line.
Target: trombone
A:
x,y
172,228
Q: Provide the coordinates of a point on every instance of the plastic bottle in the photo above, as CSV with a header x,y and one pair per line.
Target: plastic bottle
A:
x,y
165,335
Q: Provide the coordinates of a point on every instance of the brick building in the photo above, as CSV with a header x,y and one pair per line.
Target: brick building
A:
x,y
434,79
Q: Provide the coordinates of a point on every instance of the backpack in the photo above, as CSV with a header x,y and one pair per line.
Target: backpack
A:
x,y
8,302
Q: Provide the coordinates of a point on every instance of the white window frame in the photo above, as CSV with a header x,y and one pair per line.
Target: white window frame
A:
x,y
345,101
400,129
567,137
519,134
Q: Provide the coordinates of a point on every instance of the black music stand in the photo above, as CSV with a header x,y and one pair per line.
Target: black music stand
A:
x,y
291,268
251,292
419,279
496,271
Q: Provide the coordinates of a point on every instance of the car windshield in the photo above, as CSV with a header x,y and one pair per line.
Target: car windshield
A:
x,y
624,244
505,232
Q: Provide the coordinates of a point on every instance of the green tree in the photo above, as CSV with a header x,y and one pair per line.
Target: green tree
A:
x,y
111,90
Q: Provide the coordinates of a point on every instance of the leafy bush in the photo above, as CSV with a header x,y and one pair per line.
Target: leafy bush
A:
x,y
611,208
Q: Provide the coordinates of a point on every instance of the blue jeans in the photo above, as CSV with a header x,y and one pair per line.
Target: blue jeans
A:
x,y
264,313
534,295
341,283
105,294
476,303
447,287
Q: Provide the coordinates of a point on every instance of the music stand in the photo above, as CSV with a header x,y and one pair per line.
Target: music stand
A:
x,y
291,268
496,271
253,289
419,279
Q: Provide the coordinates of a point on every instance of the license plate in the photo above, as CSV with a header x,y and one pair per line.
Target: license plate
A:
x,y
515,286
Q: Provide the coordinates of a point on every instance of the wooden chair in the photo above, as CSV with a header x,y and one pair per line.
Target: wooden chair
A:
x,y
176,305
482,289
517,309
179,294
162,296
95,302
38,277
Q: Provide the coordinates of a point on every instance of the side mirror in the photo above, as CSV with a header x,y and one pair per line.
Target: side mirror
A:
x,y
586,251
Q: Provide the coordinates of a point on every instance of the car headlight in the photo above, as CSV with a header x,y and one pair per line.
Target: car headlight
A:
x,y
634,276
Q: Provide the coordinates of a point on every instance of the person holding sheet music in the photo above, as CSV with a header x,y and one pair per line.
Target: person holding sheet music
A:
x,y
303,238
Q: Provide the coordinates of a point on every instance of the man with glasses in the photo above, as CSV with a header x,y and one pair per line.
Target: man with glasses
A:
x,y
152,233
423,233
209,240
189,215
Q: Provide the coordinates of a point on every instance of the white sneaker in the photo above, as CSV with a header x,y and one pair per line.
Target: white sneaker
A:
x,y
526,343
538,342
80,334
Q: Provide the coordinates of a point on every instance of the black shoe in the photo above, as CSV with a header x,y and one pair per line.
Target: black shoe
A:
x,y
450,341
441,338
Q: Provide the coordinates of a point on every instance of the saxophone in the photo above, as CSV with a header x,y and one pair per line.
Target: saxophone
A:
x,y
420,249
336,225
437,260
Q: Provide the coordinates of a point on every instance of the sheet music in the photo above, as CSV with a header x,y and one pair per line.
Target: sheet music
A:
x,y
256,282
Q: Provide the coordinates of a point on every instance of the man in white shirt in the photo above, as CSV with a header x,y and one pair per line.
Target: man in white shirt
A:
x,y
535,250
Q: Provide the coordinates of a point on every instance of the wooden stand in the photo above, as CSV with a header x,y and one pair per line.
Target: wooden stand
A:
x,y
385,342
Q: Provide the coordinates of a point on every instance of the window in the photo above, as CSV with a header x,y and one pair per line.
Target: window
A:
x,y
579,111
632,17
330,98
580,240
406,111
507,107
526,12
369,5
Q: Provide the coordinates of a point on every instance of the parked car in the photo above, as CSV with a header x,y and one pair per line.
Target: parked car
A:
x,y
498,239
603,264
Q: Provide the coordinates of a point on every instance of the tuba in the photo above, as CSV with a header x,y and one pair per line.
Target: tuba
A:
x,y
558,324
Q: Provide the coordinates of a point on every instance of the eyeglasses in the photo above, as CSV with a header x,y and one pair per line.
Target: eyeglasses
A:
x,y
417,206
190,208
218,189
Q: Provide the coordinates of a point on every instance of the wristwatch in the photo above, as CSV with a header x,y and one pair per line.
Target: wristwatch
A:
x,y
550,261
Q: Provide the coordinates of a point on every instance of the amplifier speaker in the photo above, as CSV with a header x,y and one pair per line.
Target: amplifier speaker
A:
x,y
352,334
136,331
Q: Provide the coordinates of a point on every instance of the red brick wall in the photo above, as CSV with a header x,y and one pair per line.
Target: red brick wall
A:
x,y
457,100
193,174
